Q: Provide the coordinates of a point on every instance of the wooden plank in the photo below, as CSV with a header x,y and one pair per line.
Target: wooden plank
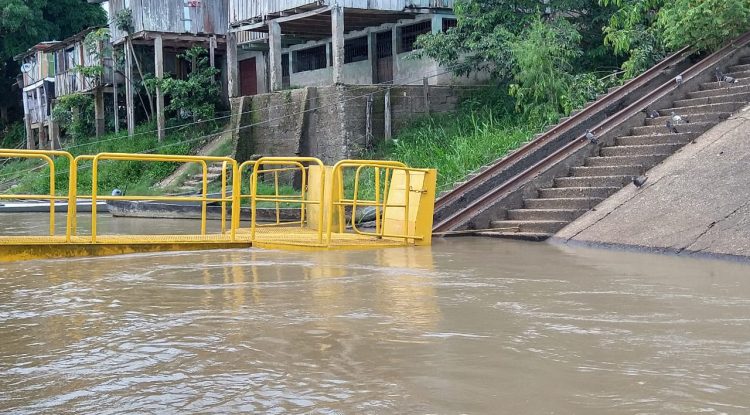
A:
x,y
159,72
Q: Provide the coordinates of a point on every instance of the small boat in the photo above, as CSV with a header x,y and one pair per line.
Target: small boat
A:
x,y
42,206
192,210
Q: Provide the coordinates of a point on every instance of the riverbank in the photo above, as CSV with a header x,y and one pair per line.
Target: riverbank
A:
x,y
695,203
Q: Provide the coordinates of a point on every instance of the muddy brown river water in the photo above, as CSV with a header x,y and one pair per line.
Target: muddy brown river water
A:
x,y
471,326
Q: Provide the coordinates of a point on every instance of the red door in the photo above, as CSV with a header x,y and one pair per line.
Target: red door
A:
x,y
248,77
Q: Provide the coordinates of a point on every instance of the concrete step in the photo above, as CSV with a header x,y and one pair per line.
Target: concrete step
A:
x,y
640,150
545,214
702,109
521,236
739,68
693,127
585,203
624,170
188,189
667,138
535,226
739,74
690,102
707,86
744,60
712,117
647,161
210,176
593,181
725,90
576,192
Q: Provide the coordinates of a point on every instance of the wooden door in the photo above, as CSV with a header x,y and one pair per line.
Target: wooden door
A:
x,y
248,77
384,57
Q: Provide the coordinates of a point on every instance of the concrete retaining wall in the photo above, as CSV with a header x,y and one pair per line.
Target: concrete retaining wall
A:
x,y
330,122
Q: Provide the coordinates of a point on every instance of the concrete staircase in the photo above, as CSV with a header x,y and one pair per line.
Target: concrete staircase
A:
x,y
194,183
631,156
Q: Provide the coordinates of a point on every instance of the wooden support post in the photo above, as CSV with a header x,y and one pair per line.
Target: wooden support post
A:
x,y
129,101
159,69
212,51
43,142
274,55
115,102
368,121
233,82
30,143
426,94
99,111
387,115
337,43
54,134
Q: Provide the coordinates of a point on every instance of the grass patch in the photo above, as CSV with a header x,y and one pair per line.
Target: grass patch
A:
x,y
138,177
484,129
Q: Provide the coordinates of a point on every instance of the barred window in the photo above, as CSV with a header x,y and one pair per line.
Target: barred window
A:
x,y
309,59
410,33
355,50
448,23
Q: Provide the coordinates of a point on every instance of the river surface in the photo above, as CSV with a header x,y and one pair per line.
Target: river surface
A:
x,y
473,326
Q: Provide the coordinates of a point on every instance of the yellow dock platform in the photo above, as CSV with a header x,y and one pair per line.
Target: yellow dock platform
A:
x,y
400,200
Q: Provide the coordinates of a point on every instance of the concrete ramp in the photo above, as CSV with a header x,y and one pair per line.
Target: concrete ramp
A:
x,y
696,201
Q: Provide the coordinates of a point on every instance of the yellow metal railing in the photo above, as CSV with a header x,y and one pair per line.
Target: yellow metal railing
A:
x,y
402,197
47,156
380,204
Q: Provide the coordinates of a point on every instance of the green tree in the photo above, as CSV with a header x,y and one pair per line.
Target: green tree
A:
x,y
485,29
198,95
645,31
24,23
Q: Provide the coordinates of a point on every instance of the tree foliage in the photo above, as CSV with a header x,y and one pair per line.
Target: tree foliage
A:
x,y
543,57
24,23
75,114
198,95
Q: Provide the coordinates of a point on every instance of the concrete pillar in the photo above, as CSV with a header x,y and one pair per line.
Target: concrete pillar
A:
x,y
394,54
54,134
372,55
129,101
99,111
274,55
159,72
233,81
337,43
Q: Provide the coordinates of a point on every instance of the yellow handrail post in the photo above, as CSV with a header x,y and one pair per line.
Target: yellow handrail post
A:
x,y
377,199
276,192
204,202
52,199
94,189
223,197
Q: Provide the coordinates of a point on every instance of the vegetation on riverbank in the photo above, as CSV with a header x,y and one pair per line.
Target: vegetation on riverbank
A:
x,y
32,177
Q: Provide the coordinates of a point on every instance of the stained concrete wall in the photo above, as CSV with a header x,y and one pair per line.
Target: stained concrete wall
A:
x,y
329,122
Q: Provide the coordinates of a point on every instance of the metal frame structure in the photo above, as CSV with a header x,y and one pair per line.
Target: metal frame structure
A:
x,y
403,204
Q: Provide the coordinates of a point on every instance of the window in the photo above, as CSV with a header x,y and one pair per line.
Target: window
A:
x,y
410,33
448,23
355,50
309,59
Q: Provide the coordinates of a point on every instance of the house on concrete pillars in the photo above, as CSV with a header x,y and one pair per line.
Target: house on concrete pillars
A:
x,y
38,89
159,31
295,43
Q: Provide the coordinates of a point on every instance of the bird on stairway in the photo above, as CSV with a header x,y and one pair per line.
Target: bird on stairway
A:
x,y
677,120
639,181
650,113
678,80
720,77
591,137
672,129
